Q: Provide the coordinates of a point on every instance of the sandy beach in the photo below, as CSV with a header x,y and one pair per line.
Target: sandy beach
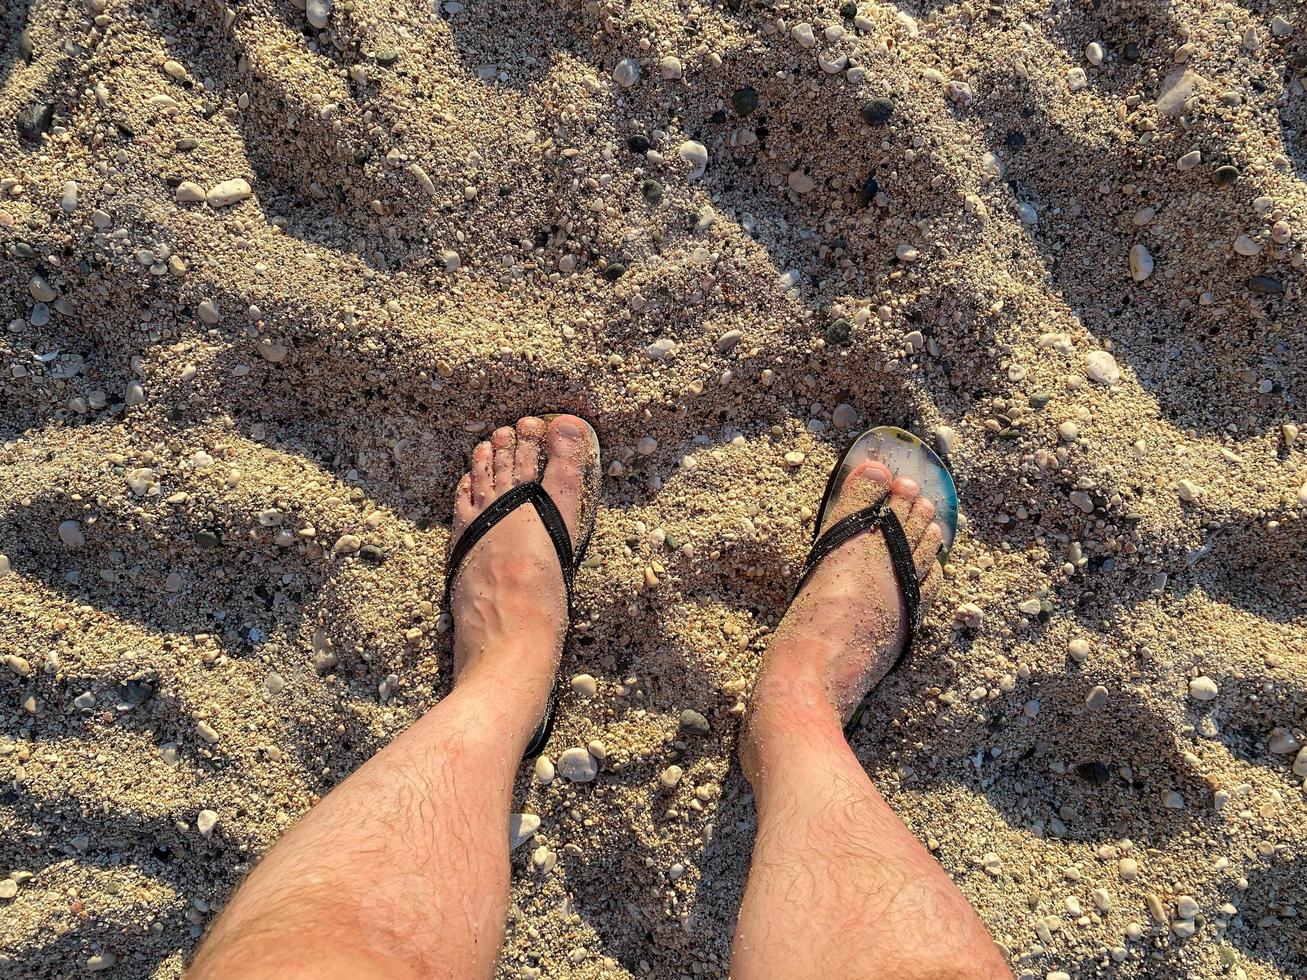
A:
x,y
268,273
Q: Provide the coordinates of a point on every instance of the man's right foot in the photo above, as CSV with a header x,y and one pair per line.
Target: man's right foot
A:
x,y
846,627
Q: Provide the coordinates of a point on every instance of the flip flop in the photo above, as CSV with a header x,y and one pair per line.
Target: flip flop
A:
x,y
905,455
569,557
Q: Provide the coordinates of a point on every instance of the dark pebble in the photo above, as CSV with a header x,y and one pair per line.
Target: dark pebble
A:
x,y
614,271
206,539
25,46
1014,140
1094,772
878,111
693,723
744,100
35,121
186,144
870,188
1131,52
652,191
849,10
372,553
1039,399
1225,176
24,251
718,117
839,332
639,143
387,55
1266,285
135,692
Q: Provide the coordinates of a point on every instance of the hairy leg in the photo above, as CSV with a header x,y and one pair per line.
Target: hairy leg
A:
x,y
838,886
402,871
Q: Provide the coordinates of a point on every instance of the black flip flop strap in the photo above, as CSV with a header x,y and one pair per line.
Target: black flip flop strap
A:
x,y
900,553
504,505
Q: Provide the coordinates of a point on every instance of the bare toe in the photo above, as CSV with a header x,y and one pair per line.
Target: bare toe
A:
x,y
927,550
464,510
530,433
483,480
504,442
922,513
568,448
903,492
865,486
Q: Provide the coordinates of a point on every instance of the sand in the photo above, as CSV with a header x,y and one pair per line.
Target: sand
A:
x,y
265,285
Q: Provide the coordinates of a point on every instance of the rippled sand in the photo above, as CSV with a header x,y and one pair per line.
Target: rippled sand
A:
x,y
449,226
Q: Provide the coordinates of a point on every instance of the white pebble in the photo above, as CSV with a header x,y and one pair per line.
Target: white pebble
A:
x,y
647,446
1101,366
70,533
627,72
1190,160
318,12
1094,53
1203,689
584,686
1141,263
696,155
577,765
205,821
228,192
1246,246
803,34
521,828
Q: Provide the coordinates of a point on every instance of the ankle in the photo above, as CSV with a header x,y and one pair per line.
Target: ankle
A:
x,y
791,706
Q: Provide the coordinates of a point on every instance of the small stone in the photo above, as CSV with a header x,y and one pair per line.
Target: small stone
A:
x,y
1225,175
521,828
693,723
1128,868
205,821
1173,800
627,72
584,686
800,182
84,701
100,961
4,565
1030,607
577,765
1300,763
1156,909
207,310
70,533
35,121
1203,689
728,340
1096,698
647,446
945,439
670,68
189,192
134,394
347,544
1246,246
802,33
844,416
1078,650
18,665
1141,263
1282,742
8,888
207,732
68,202
318,12
1186,907
877,112
41,290
543,770
1102,899
696,155
1266,285
228,192
1189,160
372,554
1076,79
795,458
1189,491
1094,53
670,777
1101,366
274,683
744,101
651,190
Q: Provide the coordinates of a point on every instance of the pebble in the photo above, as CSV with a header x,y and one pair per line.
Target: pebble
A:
x,y
84,701
1173,799
795,458
1096,698
521,828
670,68
4,565
205,821
1189,491
945,439
1266,285
1186,907
577,765
347,544
1094,53
41,290
1225,175
647,446
1282,742
543,770
70,533
1189,160
1128,868
134,394
844,416
100,961
1141,263
1076,79
696,155
318,12
877,112
744,101
627,72
35,121
693,723
728,340
68,202
8,888
584,686
208,311
1203,689
1246,246
228,192
1078,650
189,192
1300,763
802,33
670,777
1101,366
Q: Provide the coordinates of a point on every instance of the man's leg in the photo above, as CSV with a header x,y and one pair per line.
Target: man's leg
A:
x,y
838,886
402,871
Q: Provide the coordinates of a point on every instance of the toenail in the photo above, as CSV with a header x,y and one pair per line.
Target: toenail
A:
x,y
908,487
568,429
877,471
